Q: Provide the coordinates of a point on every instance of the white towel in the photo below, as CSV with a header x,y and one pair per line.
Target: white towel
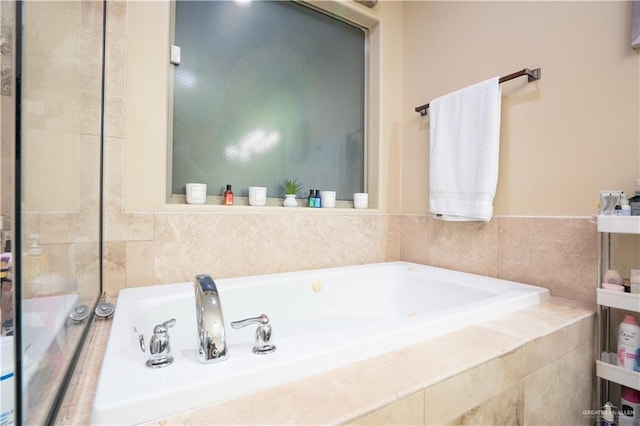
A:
x,y
464,147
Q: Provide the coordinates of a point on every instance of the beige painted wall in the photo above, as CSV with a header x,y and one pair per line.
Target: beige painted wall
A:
x,y
145,161
565,137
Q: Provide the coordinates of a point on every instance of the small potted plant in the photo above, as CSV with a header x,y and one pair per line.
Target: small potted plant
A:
x,y
291,188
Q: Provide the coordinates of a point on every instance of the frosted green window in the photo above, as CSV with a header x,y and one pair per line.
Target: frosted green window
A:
x,y
266,91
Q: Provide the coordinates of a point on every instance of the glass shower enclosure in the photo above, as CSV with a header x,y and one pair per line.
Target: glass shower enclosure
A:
x,y
50,200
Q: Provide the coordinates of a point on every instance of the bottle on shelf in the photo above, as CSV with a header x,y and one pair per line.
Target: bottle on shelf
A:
x,y
316,201
311,199
629,407
625,208
628,342
634,202
228,197
608,418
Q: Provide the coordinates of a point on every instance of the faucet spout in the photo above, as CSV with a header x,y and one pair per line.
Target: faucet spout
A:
x,y
212,343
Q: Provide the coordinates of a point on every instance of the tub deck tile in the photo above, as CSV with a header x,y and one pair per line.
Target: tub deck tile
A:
x,y
540,320
498,353
329,398
443,356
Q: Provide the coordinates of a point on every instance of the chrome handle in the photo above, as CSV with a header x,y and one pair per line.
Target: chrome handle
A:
x,y
159,346
260,320
263,333
163,328
160,340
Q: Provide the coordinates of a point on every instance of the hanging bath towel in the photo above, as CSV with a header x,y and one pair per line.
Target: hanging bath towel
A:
x,y
464,147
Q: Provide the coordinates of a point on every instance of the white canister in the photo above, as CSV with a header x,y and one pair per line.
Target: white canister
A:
x,y
328,199
360,200
257,195
196,193
628,342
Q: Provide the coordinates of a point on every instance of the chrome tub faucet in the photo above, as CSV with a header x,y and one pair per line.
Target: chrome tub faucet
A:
x,y
212,342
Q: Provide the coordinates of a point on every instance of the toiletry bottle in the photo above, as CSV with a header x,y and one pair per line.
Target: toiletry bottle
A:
x,y
629,407
634,202
608,418
612,276
628,342
316,202
34,263
626,208
311,200
228,197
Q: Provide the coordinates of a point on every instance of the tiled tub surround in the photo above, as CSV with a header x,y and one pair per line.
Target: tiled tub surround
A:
x,y
558,253
534,366
149,248
163,247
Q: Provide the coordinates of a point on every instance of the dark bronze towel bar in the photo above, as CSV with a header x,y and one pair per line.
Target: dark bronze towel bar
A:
x,y
532,75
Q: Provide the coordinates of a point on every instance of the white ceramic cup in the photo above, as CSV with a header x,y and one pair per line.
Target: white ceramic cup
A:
x,y
635,276
196,193
360,200
328,199
257,195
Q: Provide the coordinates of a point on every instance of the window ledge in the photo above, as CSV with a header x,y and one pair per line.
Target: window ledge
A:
x,y
274,205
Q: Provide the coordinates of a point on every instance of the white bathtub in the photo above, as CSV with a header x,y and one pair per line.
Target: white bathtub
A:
x,y
321,319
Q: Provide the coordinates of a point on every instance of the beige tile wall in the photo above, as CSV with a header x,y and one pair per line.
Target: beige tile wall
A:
x,y
556,253
61,203
226,245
